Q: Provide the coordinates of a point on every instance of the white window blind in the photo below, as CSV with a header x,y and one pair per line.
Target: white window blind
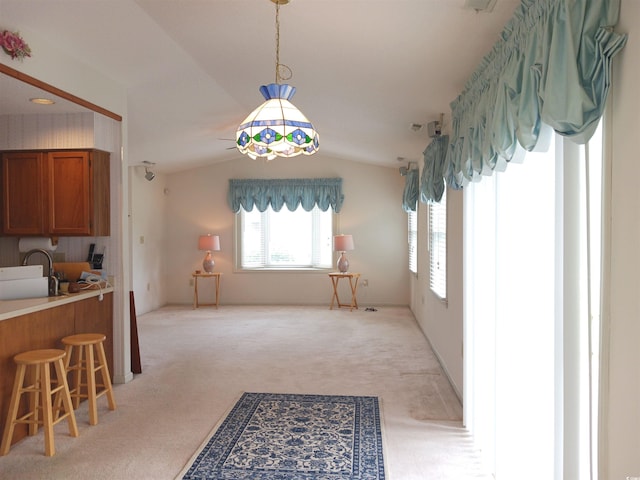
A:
x,y
438,247
412,225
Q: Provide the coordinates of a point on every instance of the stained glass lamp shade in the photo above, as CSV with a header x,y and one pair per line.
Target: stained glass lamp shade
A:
x,y
277,128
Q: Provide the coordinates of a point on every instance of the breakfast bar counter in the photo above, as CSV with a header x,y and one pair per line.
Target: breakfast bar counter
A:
x,y
15,308
41,323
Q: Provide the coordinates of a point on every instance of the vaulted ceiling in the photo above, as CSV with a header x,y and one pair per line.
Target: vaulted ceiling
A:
x,y
365,70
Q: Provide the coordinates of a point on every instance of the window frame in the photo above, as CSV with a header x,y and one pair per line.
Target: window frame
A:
x,y
237,245
412,240
438,212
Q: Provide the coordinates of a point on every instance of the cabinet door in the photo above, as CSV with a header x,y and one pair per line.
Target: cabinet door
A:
x,y
23,192
70,193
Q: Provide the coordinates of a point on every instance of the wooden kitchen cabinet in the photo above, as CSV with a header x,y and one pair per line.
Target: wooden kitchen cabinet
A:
x,y
55,193
23,196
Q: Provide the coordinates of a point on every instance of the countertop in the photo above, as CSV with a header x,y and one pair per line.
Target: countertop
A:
x,y
15,308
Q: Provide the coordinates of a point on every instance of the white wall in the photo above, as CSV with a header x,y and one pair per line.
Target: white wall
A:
x,y
622,400
196,203
442,321
149,253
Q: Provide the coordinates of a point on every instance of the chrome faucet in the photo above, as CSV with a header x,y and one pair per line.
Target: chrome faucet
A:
x,y
53,280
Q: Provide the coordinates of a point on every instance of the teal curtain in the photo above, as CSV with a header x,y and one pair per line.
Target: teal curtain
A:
x,y
292,192
551,65
411,191
432,183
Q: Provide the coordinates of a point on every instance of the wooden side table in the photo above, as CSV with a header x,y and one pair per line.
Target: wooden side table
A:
x,y
196,276
353,283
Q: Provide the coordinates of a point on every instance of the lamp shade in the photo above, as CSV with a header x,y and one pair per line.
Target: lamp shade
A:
x,y
209,242
343,243
276,128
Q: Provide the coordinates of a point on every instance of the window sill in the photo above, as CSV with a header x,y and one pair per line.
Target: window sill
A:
x,y
284,270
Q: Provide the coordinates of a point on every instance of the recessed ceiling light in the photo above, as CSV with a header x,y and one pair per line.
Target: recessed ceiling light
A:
x,y
42,101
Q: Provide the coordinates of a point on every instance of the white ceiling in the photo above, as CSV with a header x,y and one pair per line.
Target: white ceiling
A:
x,y
365,70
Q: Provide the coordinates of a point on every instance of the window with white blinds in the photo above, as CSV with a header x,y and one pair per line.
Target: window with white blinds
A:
x,y
412,225
438,247
284,239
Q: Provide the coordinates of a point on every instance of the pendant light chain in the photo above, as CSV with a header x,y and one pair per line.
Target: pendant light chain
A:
x,y
277,128
283,72
277,42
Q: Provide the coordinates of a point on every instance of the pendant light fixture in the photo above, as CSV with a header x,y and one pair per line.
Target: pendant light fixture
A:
x,y
277,128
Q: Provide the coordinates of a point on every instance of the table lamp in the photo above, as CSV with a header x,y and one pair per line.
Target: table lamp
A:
x,y
343,243
208,242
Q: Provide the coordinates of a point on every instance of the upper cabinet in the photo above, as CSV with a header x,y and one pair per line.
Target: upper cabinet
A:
x,y
55,193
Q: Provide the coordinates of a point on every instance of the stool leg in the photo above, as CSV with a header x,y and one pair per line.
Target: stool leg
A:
x,y
34,396
91,385
13,411
66,398
58,400
76,377
47,414
106,377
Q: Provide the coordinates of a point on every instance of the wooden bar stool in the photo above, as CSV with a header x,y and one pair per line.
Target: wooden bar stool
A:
x,y
39,389
86,364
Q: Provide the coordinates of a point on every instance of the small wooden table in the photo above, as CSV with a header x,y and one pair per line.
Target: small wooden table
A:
x,y
196,276
353,283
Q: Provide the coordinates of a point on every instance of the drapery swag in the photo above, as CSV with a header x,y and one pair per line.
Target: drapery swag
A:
x,y
292,192
551,66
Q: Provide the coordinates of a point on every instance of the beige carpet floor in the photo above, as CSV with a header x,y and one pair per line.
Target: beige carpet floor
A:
x,y
196,364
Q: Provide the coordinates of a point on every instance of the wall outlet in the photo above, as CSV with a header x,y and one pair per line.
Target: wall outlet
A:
x,y
365,282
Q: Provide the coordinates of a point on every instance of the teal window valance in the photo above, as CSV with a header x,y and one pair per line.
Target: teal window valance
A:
x,y
552,66
411,191
292,192
432,181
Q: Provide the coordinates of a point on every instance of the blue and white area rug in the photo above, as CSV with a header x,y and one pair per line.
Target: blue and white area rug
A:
x,y
294,437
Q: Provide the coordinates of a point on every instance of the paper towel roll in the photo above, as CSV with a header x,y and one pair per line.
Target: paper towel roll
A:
x,y
29,243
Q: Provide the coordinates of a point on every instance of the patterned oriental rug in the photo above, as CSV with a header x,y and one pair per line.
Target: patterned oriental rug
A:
x,y
294,437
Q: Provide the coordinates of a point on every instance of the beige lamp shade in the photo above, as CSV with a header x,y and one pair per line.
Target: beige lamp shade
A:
x,y
209,243
343,243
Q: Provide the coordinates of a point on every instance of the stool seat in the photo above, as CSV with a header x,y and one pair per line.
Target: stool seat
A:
x,y
35,357
84,339
89,359
40,392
